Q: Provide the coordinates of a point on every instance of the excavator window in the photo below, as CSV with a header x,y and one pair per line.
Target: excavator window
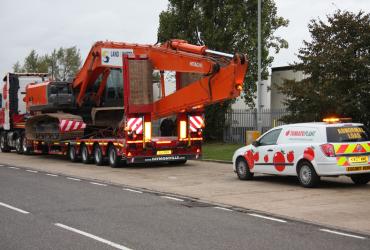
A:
x,y
113,95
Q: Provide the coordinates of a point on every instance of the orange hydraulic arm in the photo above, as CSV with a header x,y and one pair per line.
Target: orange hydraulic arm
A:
x,y
223,73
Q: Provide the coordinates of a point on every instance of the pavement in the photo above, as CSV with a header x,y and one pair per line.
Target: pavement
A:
x,y
336,203
40,210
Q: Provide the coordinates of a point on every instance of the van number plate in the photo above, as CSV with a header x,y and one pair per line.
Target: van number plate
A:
x,y
164,152
358,159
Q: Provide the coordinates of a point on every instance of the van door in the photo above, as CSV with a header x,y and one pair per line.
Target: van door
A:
x,y
266,148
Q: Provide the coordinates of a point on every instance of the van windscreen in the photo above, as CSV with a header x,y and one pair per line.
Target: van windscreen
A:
x,y
347,134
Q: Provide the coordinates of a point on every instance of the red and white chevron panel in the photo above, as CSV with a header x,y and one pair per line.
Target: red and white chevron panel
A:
x,y
196,122
135,124
70,125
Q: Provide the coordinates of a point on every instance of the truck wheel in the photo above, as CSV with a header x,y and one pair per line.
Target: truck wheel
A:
x,y
72,154
242,169
360,179
307,175
114,160
85,155
3,143
98,156
18,145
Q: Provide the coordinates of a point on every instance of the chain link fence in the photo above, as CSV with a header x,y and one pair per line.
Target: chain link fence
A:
x,y
238,122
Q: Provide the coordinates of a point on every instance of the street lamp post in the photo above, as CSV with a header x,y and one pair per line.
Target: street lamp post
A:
x,y
259,84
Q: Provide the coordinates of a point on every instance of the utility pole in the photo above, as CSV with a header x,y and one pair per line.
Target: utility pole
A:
x,y
259,84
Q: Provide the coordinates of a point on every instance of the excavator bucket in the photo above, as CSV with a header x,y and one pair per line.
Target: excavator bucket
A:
x,y
107,116
54,127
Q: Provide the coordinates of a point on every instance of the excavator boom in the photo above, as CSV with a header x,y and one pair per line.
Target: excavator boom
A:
x,y
222,74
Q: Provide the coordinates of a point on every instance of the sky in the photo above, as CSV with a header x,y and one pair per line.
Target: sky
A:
x,y
47,24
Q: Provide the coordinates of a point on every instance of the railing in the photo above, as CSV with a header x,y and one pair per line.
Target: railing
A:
x,y
238,122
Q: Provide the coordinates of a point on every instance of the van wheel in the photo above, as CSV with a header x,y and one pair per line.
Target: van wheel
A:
x,y
72,154
307,175
98,156
114,160
3,143
85,155
360,179
242,169
18,145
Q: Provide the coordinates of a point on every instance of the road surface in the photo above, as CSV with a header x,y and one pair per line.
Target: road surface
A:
x,y
40,210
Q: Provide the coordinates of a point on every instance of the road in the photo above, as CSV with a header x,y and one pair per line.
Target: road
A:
x,y
337,202
39,210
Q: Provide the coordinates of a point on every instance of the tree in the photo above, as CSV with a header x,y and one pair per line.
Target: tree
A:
x,y
336,63
61,64
225,25
17,67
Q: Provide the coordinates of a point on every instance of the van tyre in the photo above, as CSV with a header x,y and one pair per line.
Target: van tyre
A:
x,y
98,156
242,169
3,143
360,179
307,175
114,160
85,154
72,154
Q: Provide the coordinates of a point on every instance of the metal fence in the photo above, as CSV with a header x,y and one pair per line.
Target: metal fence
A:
x,y
238,122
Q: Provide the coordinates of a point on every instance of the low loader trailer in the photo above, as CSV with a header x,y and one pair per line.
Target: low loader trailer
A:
x,y
106,114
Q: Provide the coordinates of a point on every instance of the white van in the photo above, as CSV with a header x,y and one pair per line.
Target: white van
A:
x,y
308,150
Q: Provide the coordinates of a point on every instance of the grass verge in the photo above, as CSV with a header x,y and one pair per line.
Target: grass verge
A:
x,y
219,151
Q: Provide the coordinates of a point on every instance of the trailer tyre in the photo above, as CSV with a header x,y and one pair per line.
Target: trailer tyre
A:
x,y
3,143
85,155
72,154
18,145
114,160
25,148
98,156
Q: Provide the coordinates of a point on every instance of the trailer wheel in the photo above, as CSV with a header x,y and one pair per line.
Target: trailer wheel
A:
x,y
85,155
26,149
72,154
18,145
3,143
114,160
98,156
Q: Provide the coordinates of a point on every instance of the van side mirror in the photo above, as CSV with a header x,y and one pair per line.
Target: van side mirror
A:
x,y
256,143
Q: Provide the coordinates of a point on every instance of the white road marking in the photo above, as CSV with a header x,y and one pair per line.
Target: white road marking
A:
x,y
97,238
343,234
32,171
1,165
223,208
133,190
53,175
14,208
172,198
11,167
99,184
73,179
268,218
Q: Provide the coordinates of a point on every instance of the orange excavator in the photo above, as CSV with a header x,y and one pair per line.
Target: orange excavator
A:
x,y
114,89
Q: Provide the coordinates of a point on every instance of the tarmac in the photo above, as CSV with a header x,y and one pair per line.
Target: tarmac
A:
x,y
336,202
